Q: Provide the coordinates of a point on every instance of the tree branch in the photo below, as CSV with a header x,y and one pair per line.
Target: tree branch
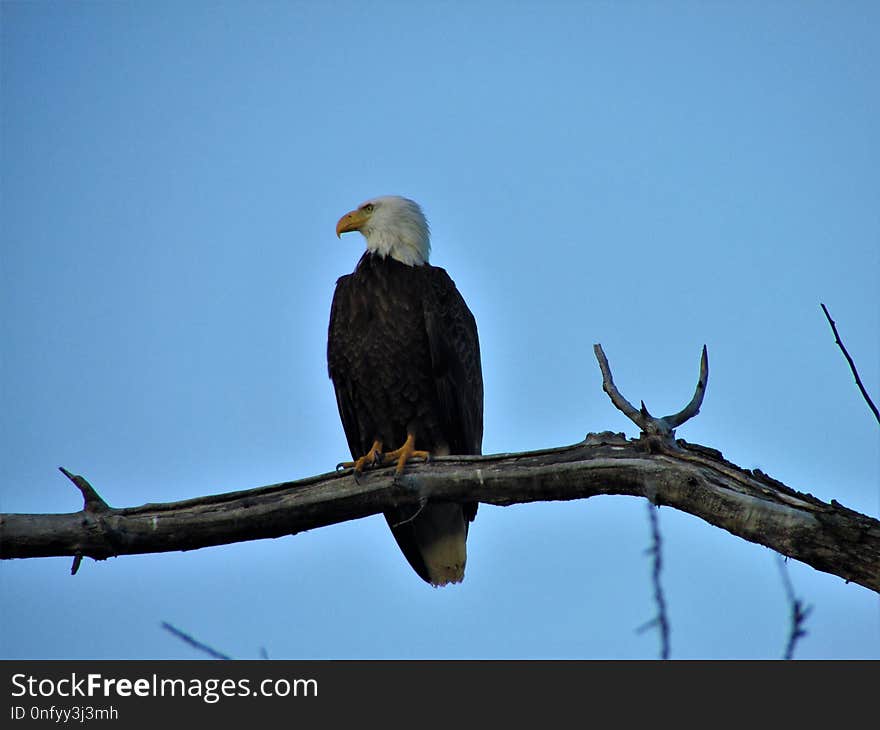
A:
x,y
691,478
799,612
193,642
655,429
852,365
688,477
92,502
661,621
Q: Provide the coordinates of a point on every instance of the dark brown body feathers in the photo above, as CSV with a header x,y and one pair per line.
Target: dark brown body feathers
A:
x,y
404,357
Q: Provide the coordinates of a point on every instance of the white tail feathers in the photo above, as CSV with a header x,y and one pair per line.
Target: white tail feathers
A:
x,y
442,539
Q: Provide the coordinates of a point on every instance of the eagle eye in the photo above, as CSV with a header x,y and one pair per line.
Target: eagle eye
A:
x,y
368,208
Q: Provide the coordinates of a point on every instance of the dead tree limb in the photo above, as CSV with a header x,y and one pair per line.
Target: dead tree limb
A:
x,y
661,620
668,472
799,612
193,642
657,430
693,478
852,365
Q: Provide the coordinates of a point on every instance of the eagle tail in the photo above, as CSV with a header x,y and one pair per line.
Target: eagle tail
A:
x,y
434,541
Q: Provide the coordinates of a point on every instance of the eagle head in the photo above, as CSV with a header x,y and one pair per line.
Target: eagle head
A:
x,y
393,226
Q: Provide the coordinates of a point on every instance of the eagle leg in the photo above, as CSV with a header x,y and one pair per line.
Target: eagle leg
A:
x,y
371,458
405,453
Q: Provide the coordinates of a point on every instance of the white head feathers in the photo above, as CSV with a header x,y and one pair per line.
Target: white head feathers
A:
x,y
393,226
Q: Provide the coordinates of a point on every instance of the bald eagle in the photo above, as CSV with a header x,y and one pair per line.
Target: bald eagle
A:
x,y
404,358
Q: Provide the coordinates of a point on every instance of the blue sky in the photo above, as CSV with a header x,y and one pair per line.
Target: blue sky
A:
x,y
651,176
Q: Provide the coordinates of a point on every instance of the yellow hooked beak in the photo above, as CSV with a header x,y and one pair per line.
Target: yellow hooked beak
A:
x,y
352,221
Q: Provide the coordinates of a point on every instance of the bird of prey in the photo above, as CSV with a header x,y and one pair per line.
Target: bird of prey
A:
x,y
404,357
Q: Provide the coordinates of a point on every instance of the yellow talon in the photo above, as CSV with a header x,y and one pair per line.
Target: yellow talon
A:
x,y
373,456
405,453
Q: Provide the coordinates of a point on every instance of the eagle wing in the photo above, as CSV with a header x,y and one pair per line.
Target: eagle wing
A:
x,y
457,370
455,361
343,385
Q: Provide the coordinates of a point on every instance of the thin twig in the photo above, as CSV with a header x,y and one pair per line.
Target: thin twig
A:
x,y
660,620
183,636
852,365
422,504
799,612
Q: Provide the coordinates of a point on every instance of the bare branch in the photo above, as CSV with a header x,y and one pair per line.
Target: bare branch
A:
x,y
621,403
660,620
656,430
694,479
92,501
186,638
852,365
799,612
693,408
